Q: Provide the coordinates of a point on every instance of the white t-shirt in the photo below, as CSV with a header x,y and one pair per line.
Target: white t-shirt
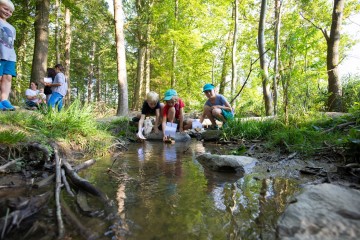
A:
x,y
31,93
7,38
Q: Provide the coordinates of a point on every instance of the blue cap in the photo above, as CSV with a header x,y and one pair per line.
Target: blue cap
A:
x,y
169,94
208,87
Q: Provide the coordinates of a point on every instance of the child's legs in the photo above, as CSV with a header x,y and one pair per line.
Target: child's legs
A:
x,y
217,114
5,86
171,115
7,71
55,99
208,113
60,104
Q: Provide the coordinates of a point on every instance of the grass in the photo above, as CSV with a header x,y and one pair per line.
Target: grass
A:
x,y
304,133
74,125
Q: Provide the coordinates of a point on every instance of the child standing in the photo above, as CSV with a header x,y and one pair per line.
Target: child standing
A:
x,y
174,112
151,107
58,87
7,54
216,107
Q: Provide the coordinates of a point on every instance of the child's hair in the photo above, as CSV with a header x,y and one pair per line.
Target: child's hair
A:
x,y
59,66
152,96
50,72
8,3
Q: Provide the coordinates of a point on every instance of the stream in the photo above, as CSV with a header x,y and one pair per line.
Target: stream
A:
x,y
160,191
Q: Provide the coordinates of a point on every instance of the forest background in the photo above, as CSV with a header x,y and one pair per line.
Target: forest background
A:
x,y
255,52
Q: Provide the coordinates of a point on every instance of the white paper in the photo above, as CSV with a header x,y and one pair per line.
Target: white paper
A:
x,y
48,80
196,124
170,129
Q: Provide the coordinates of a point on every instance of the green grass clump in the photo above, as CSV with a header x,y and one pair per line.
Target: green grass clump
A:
x,y
11,137
306,133
76,124
251,129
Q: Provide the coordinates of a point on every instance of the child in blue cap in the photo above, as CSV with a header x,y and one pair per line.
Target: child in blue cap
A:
x,y
216,107
174,112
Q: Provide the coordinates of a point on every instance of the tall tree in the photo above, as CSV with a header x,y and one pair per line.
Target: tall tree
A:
x,y
263,62
276,50
123,105
234,48
41,24
174,46
334,102
67,51
57,32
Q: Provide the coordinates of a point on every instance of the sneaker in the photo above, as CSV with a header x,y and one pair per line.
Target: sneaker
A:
x,y
2,108
8,105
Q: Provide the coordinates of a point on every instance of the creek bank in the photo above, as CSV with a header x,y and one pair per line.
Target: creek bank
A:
x,y
320,211
324,211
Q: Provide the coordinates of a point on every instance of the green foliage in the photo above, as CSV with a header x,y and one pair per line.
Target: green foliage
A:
x,y
304,140
11,137
250,129
75,124
351,91
305,133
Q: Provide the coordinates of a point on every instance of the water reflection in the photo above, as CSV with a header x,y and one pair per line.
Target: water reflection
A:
x,y
167,194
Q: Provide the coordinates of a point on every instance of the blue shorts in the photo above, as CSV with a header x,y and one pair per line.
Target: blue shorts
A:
x,y
7,68
227,114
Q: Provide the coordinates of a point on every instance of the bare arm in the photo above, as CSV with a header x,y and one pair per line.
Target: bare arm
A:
x,y
181,120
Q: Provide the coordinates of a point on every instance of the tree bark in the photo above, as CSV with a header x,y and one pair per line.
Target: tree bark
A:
x,y
57,33
234,48
123,105
334,102
276,50
67,52
174,48
226,65
263,62
91,73
41,24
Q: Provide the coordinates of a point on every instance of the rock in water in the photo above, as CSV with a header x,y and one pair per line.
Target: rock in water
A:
x,y
324,211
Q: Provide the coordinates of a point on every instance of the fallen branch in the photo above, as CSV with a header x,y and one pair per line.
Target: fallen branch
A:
x,y
83,183
27,208
5,166
84,165
61,229
45,181
340,126
66,184
86,233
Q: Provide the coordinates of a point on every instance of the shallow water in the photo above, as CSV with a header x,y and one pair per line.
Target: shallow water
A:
x,y
160,191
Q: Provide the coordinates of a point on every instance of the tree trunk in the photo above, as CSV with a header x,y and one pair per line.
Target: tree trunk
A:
x,y
175,49
67,52
91,73
138,91
276,50
147,58
41,24
57,34
334,85
234,49
263,63
98,80
123,105
226,65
